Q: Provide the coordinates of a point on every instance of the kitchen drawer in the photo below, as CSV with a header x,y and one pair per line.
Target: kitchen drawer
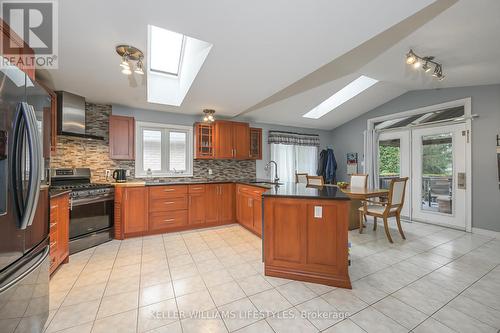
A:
x,y
168,204
197,188
167,191
165,220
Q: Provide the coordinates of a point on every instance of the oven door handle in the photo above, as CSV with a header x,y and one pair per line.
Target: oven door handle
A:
x,y
85,201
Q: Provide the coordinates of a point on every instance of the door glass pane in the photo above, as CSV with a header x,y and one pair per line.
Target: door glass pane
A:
x,y
151,150
437,173
177,160
389,163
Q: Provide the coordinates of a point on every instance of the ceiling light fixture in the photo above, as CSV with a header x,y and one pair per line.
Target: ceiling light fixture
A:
x,y
425,63
128,54
411,57
351,90
140,67
208,115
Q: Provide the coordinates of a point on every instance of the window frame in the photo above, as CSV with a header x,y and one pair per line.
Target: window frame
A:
x,y
165,149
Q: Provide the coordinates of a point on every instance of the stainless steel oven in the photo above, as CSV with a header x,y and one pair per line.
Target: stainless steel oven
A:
x,y
91,218
91,208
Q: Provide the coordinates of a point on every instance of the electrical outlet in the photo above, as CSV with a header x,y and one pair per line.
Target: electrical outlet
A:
x,y
210,172
107,174
127,173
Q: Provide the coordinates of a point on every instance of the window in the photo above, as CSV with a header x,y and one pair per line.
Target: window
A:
x,y
164,150
165,50
293,159
353,89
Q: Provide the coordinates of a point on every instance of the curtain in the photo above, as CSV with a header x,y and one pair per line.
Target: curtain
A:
x,y
371,157
292,159
289,138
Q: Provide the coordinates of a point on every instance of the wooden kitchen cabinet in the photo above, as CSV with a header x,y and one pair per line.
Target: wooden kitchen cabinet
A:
x,y
197,203
232,140
249,207
255,143
134,211
59,231
224,148
204,141
219,204
15,46
121,138
227,140
241,141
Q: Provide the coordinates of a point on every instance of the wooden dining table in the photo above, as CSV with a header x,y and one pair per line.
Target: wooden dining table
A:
x,y
357,194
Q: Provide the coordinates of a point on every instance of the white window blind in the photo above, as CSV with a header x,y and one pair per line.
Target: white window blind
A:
x,y
163,150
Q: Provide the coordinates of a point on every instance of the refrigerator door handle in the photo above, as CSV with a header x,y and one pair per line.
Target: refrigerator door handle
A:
x,y
26,122
34,141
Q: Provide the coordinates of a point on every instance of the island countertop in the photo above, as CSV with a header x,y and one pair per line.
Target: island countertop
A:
x,y
298,190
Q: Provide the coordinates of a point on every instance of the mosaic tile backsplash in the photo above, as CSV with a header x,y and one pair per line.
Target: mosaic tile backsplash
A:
x,y
74,152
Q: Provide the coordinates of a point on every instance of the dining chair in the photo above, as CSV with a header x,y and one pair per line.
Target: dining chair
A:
x,y
315,181
360,180
301,178
390,208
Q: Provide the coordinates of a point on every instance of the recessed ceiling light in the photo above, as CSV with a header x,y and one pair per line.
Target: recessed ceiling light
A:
x,y
340,97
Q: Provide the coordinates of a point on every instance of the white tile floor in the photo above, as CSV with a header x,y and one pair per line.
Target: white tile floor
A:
x,y
438,280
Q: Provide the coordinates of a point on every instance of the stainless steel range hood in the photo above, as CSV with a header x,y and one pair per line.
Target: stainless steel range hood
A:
x,y
71,116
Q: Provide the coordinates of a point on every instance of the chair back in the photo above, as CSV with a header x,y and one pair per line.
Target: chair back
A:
x,y
359,181
397,192
301,178
315,180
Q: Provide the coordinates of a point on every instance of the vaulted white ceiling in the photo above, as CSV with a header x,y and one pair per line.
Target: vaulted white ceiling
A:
x,y
261,48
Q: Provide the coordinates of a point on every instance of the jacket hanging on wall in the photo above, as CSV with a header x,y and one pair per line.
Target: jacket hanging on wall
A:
x,y
327,166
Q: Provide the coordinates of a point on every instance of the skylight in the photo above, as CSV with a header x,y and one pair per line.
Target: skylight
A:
x,y
165,50
340,97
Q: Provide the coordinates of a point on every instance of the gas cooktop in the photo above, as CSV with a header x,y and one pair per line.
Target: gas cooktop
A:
x,y
84,186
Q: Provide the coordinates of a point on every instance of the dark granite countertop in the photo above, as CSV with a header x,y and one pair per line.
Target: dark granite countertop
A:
x,y
55,193
253,182
297,190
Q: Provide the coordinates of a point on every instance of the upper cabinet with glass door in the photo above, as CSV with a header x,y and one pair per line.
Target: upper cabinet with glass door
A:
x,y
227,140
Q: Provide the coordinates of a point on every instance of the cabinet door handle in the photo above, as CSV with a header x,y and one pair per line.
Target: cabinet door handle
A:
x,y
54,207
168,220
53,225
169,202
169,190
197,188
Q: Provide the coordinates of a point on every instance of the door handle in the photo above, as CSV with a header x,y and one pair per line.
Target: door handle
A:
x,y
25,124
461,181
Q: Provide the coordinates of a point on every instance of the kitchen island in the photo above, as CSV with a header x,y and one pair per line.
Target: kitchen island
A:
x,y
306,234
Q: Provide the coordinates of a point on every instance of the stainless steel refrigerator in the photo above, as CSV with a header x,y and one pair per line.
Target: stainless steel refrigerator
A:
x,y
24,202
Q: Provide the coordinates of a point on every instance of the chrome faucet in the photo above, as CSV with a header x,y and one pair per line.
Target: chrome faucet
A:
x,y
276,178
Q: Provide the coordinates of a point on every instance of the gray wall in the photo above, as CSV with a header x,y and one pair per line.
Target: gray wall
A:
x,y
485,103
179,119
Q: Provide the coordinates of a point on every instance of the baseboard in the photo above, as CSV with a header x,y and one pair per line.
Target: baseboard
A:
x,y
486,232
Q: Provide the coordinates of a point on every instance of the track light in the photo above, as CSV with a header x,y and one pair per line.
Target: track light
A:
x,y
139,68
411,58
128,55
425,63
426,67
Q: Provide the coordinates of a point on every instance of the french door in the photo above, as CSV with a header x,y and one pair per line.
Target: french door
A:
x,y
439,175
394,162
434,160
